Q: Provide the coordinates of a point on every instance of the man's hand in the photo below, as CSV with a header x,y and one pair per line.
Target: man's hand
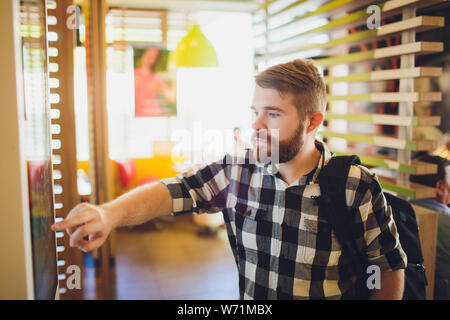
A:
x,y
86,220
96,222
392,286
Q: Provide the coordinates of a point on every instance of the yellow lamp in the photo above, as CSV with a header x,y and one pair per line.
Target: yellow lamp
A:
x,y
195,50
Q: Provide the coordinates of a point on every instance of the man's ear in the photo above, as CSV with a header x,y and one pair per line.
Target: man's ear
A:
x,y
440,186
315,119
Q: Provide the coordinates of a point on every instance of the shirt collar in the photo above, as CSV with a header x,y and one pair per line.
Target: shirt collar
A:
x,y
325,156
311,177
432,204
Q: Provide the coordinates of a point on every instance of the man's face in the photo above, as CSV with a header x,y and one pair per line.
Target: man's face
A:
x,y
446,196
276,120
443,192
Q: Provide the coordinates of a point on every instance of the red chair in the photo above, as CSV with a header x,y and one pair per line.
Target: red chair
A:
x,y
127,171
148,179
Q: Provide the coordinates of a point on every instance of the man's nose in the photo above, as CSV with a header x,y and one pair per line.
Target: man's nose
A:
x,y
259,124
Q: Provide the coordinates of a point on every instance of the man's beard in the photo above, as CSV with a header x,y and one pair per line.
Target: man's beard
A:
x,y
287,148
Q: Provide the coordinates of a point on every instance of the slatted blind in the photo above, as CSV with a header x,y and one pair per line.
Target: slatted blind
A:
x,y
125,29
61,41
365,69
132,26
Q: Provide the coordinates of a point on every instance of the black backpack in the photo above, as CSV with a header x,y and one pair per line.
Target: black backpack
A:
x,y
332,181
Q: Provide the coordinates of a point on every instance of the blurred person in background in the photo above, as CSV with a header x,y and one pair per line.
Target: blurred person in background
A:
x,y
440,181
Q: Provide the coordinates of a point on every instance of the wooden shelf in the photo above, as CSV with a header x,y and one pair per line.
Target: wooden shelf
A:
x,y
394,5
422,47
383,141
406,73
390,8
288,7
417,48
390,74
347,40
391,163
347,21
324,11
386,119
390,97
417,24
414,190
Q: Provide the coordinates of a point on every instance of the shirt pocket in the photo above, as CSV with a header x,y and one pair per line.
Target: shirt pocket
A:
x,y
253,212
251,227
318,244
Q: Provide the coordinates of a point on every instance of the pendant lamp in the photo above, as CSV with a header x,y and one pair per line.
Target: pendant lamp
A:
x,y
195,50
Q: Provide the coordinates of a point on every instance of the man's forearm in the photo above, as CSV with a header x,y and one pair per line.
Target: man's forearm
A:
x,y
391,287
139,205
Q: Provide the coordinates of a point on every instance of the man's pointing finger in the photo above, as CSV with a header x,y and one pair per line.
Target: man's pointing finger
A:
x,y
70,222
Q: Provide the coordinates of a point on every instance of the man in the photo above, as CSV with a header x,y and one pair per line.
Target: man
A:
x,y
283,247
440,181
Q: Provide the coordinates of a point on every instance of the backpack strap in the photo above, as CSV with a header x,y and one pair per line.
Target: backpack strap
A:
x,y
332,202
332,181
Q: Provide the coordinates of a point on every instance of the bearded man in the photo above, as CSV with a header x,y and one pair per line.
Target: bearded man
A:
x,y
283,247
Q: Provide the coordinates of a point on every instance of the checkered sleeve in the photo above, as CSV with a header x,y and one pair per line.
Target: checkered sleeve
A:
x,y
201,191
376,228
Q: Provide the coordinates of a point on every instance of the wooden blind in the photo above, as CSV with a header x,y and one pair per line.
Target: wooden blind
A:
x,y
365,69
61,41
133,26
341,40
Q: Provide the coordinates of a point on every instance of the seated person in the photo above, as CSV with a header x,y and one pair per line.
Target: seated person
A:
x,y
440,181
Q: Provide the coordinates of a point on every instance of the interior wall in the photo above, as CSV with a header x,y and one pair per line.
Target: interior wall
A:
x,y
16,273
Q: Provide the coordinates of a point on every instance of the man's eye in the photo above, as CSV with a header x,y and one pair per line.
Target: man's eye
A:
x,y
273,115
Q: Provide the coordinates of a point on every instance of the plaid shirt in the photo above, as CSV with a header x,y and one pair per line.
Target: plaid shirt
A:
x,y
275,229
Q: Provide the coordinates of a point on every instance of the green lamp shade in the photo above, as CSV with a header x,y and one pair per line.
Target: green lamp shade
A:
x,y
195,50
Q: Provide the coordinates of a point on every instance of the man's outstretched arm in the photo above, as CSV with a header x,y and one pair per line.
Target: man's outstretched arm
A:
x,y
96,222
202,191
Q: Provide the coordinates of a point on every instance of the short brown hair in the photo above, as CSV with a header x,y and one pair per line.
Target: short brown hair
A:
x,y
431,179
302,79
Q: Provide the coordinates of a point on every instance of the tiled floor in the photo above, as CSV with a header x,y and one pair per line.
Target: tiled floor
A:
x,y
172,263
